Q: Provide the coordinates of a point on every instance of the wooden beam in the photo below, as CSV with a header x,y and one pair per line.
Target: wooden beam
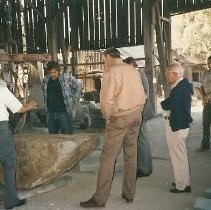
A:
x,y
24,57
148,28
162,55
51,29
165,19
36,10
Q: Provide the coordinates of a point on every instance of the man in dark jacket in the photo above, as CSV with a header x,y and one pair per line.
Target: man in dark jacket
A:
x,y
177,126
144,156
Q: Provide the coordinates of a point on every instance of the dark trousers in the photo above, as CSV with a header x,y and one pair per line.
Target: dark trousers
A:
x,y
206,126
144,157
59,122
8,162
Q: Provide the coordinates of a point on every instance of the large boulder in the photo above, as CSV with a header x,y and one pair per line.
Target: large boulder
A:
x,y
43,157
1,175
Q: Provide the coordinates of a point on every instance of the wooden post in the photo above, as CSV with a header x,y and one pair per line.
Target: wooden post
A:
x,y
167,32
74,62
148,49
161,49
51,28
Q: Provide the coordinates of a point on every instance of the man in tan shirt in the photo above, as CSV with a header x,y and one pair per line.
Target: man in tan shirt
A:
x,y
122,100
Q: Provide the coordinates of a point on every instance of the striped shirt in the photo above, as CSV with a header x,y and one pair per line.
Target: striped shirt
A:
x,y
71,89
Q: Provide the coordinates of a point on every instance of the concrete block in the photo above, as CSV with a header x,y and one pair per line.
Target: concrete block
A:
x,y
207,193
202,204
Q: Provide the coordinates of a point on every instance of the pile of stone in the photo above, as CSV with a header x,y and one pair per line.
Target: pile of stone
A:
x,y
204,202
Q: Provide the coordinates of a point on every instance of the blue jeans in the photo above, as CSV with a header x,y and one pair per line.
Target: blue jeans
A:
x,y
8,162
59,122
144,160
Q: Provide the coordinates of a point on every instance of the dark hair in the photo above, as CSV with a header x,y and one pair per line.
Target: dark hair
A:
x,y
53,65
113,52
130,60
209,58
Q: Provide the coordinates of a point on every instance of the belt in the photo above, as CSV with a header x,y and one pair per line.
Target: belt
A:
x,y
167,118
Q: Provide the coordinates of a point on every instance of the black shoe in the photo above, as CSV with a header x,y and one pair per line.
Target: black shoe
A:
x,y
173,184
21,202
141,174
203,149
128,200
91,203
175,190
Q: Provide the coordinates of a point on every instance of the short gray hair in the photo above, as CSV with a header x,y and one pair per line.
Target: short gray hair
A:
x,y
176,67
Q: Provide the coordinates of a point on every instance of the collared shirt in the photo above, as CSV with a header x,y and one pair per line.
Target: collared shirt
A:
x,y
55,99
206,81
121,92
176,83
7,101
71,89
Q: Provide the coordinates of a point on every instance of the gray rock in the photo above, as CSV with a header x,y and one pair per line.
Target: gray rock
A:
x,y
40,158
202,204
207,193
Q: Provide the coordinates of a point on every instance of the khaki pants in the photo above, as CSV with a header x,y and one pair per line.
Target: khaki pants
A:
x,y
178,152
120,131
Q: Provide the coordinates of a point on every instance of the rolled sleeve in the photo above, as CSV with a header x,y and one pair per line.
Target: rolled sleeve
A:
x,y
11,102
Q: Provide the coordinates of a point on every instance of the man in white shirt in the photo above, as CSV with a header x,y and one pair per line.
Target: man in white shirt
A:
x,y
177,126
7,145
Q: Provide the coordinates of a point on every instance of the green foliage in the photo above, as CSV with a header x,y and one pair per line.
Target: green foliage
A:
x,y
191,33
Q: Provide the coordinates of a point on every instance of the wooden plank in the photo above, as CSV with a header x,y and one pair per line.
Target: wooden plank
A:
x,y
41,28
30,42
148,49
66,35
139,37
25,57
113,22
36,26
120,25
59,26
161,49
91,24
189,3
80,23
108,23
26,24
132,23
74,25
86,24
102,24
125,22
97,16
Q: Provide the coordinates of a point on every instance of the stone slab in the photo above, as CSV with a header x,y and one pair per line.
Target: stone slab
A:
x,y
202,204
207,193
42,157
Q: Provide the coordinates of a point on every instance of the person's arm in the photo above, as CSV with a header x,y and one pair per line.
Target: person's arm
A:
x,y
172,101
14,105
27,107
76,88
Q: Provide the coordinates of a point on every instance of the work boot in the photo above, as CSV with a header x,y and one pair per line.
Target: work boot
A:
x,y
20,202
91,203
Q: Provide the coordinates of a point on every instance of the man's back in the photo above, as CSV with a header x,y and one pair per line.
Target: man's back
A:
x,y
122,91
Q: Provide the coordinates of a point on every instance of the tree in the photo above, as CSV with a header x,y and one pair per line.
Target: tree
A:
x,y
191,33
